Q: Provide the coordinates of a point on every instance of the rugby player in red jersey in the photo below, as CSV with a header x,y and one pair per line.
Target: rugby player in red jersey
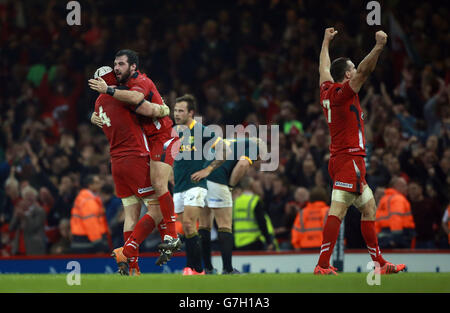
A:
x,y
129,158
162,142
339,84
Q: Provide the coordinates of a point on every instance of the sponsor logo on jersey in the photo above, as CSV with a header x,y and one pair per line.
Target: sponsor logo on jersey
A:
x,y
344,185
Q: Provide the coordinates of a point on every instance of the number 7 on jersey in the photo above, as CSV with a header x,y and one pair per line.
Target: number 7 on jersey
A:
x,y
326,105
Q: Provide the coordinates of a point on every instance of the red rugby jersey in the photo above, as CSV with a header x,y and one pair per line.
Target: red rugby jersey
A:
x,y
345,118
121,127
140,82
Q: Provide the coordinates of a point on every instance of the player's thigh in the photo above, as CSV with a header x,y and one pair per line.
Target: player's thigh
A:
x,y
224,217
206,218
340,201
365,203
160,172
132,211
194,201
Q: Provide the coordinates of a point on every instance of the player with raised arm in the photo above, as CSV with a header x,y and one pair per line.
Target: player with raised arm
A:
x,y
340,83
161,142
129,159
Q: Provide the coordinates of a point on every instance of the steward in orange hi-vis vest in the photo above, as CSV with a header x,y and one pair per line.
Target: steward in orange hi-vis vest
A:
x,y
88,220
308,226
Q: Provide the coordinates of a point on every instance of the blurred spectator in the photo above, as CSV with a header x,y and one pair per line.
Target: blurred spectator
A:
x,y
62,246
275,199
28,223
427,217
64,200
88,222
310,220
252,227
394,221
291,209
114,214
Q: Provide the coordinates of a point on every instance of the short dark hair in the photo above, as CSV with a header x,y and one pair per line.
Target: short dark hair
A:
x,y
107,189
87,180
338,68
191,102
132,56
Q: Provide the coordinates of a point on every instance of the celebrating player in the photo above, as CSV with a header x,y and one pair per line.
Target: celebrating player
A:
x,y
161,143
190,190
129,158
339,84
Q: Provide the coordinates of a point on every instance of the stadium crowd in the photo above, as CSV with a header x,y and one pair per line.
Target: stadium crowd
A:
x,y
247,62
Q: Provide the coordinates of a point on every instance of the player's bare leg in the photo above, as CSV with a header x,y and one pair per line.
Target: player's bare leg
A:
x,y
205,223
160,173
224,220
193,246
367,206
336,214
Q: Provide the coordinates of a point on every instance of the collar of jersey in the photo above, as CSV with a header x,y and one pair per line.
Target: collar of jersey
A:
x,y
192,124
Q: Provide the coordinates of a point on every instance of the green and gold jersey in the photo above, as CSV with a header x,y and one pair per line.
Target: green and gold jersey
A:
x,y
241,148
194,140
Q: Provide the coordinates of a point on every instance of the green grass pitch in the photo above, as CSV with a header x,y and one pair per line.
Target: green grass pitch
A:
x,y
244,283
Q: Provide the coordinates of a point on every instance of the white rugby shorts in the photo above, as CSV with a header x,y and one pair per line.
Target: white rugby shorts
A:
x,y
219,195
191,197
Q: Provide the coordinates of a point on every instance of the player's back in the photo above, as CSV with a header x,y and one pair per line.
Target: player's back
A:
x,y
241,148
141,83
121,127
345,118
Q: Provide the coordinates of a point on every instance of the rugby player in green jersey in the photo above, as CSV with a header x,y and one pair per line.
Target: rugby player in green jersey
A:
x,y
244,153
190,190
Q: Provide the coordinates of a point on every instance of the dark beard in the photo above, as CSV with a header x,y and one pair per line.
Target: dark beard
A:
x,y
125,77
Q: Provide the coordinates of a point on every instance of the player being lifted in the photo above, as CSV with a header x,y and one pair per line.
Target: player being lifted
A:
x,y
339,84
129,158
161,144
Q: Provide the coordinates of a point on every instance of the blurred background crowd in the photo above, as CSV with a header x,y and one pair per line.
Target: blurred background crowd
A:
x,y
247,62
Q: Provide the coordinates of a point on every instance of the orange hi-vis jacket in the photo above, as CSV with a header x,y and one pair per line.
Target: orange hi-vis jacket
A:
x,y
394,212
88,216
308,225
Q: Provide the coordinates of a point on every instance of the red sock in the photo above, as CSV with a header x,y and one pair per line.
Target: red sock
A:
x,y
144,227
330,235
126,235
370,237
162,230
168,213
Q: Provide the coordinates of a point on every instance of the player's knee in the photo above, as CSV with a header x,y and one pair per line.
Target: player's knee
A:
x,y
366,204
189,225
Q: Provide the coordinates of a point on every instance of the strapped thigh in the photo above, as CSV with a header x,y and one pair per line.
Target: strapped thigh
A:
x,y
362,199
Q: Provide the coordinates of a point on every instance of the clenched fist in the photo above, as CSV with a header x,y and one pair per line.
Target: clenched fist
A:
x,y
329,34
381,37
